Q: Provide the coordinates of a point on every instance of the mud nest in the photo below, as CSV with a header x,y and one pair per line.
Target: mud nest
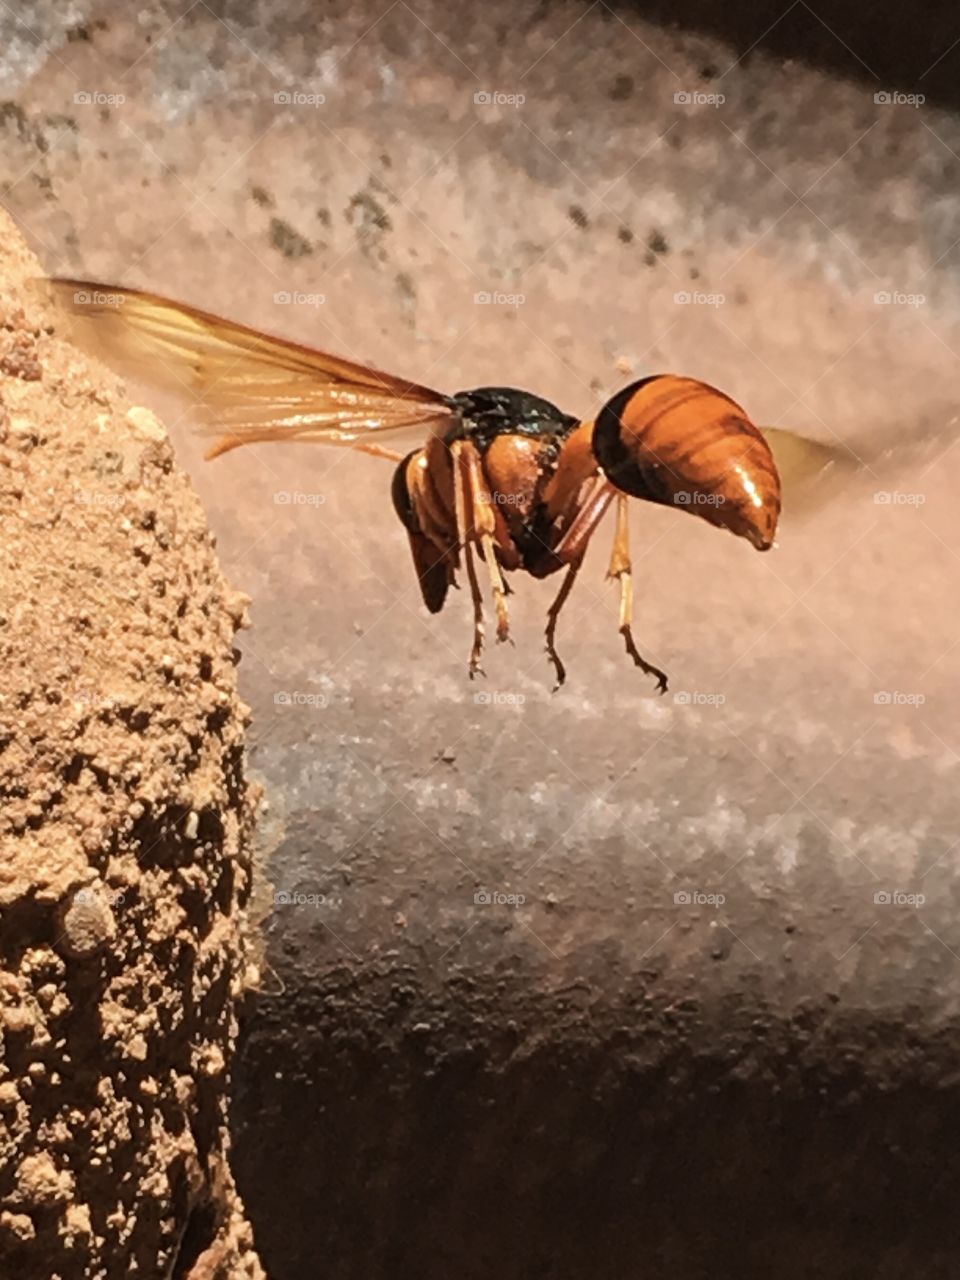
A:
x,y
125,826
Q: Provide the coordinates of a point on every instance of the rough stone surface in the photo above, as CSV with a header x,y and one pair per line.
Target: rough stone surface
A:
x,y
122,939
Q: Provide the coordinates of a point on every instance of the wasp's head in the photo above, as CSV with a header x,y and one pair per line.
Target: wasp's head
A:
x,y
679,442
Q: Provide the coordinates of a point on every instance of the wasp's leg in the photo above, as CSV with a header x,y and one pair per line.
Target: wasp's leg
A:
x,y
432,532
570,551
621,568
483,527
478,631
378,451
584,519
464,537
553,613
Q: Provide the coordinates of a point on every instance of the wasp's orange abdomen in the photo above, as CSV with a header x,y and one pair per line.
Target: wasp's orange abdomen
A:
x,y
681,442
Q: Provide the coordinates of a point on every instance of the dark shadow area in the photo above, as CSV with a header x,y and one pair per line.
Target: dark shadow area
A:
x,y
579,1158
887,46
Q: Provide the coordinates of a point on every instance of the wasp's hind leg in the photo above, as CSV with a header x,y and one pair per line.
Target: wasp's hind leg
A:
x,y
570,550
621,568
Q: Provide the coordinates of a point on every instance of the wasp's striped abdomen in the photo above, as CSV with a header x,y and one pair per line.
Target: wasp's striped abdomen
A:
x,y
681,442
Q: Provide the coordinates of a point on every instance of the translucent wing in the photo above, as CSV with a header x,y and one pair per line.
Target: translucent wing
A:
x,y
811,473
248,386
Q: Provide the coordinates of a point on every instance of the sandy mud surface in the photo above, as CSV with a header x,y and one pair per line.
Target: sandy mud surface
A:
x,y
125,820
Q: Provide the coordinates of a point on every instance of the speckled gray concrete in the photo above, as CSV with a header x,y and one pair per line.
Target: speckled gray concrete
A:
x,y
701,1004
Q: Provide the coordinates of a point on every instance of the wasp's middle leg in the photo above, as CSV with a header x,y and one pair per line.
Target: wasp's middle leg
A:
x,y
553,613
620,567
483,526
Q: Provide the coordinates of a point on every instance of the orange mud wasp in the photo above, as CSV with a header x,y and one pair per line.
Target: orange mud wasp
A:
x,y
503,475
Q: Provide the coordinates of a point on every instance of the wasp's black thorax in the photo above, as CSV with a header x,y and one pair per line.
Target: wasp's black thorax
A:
x,y
491,413
488,412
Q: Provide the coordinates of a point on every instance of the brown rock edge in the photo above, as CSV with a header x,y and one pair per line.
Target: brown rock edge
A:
x,y
125,831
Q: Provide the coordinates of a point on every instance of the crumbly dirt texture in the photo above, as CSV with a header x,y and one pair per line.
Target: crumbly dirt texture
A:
x,y
125,826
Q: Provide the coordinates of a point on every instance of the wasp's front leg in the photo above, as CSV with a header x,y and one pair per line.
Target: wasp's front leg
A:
x,y
483,527
464,539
